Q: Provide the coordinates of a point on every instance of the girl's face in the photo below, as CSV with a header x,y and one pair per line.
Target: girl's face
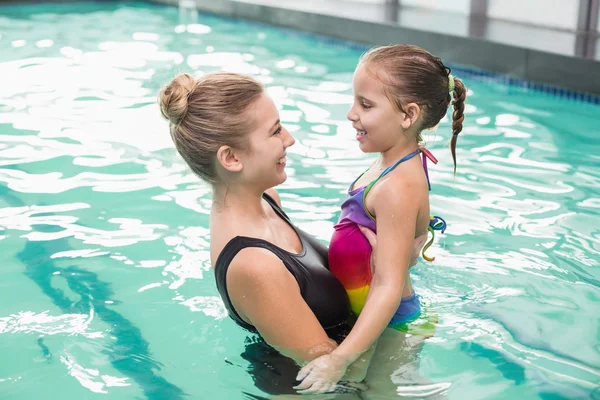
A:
x,y
378,122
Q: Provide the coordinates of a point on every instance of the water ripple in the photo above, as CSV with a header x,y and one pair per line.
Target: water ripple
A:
x,y
109,215
44,324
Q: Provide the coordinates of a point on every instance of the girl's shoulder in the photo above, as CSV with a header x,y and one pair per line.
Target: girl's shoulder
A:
x,y
410,178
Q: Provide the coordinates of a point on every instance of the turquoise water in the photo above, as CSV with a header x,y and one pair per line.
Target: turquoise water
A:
x,y
106,288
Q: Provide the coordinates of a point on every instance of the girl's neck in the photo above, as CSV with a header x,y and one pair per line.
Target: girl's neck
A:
x,y
395,153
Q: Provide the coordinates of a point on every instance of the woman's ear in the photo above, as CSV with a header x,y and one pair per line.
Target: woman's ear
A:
x,y
229,159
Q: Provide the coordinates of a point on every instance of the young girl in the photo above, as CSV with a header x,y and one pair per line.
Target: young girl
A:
x,y
399,91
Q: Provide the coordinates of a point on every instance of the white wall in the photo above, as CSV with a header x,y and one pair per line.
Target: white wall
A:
x,y
367,1
554,13
598,25
418,18
458,6
561,14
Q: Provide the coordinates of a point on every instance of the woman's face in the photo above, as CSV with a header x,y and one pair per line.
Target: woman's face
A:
x,y
265,159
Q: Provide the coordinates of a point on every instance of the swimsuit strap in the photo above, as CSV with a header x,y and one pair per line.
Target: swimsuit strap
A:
x,y
435,224
385,172
388,170
400,161
356,180
434,160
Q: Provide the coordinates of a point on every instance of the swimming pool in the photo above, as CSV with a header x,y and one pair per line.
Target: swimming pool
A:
x,y
106,284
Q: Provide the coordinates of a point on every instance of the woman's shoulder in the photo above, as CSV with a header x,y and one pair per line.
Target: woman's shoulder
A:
x,y
272,193
254,264
257,275
243,251
255,261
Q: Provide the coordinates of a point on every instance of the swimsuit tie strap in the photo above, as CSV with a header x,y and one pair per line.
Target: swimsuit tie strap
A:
x,y
431,157
435,224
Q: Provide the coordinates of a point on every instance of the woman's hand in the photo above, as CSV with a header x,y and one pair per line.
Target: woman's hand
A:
x,y
372,239
418,244
322,374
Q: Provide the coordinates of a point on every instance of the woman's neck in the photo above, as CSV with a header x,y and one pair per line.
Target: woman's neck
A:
x,y
238,200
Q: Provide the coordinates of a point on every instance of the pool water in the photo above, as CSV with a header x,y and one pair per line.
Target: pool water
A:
x,y
106,287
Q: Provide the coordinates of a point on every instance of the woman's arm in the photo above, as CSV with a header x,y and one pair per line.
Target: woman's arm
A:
x,y
396,206
265,294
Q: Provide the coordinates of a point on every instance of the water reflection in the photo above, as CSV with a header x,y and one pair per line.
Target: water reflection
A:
x,y
515,279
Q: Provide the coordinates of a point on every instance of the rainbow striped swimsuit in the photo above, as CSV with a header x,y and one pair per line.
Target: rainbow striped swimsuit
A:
x,y
350,252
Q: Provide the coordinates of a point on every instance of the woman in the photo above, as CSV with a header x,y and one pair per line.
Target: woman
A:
x,y
272,277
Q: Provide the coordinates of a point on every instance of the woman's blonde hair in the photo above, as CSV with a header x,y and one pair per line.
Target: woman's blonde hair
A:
x,y
207,113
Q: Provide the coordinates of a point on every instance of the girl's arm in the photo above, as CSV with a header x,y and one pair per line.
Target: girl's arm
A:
x,y
396,205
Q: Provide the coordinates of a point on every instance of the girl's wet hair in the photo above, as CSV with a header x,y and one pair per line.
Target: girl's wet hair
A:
x,y
413,75
207,113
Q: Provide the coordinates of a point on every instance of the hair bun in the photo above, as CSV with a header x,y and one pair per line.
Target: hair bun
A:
x,y
173,98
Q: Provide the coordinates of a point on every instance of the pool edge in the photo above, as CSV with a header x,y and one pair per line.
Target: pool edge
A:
x,y
556,74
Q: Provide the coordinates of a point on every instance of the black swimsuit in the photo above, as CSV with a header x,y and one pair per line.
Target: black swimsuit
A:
x,y
323,293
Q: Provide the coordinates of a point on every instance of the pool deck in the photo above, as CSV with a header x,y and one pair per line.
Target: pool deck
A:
x,y
559,58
